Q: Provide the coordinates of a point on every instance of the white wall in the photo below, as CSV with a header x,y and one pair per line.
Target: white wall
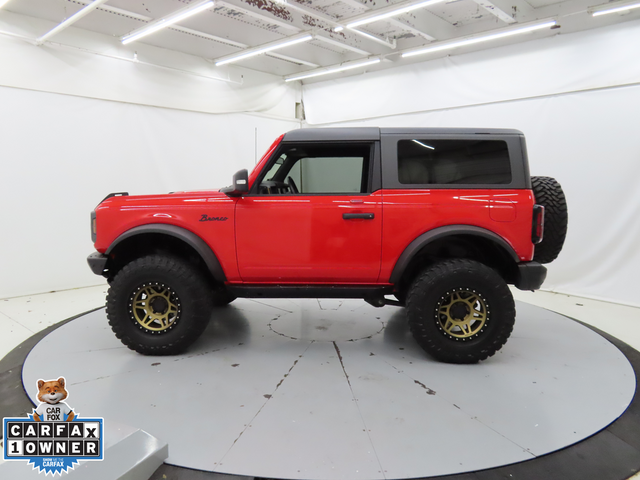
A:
x,y
579,61
60,155
82,63
587,139
79,119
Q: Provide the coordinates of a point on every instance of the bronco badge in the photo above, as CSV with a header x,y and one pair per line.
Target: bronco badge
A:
x,y
206,218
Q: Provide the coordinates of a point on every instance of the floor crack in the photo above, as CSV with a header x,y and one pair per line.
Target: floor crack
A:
x,y
432,392
417,382
342,364
268,398
503,436
272,306
373,447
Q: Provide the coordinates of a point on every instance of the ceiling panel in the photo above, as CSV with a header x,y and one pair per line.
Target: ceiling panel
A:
x,y
149,8
460,12
337,9
230,26
54,10
238,17
544,3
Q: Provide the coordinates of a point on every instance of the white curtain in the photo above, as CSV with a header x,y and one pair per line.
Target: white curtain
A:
x,y
60,155
564,63
89,64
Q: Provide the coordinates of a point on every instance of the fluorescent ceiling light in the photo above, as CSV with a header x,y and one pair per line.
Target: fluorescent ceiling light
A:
x,y
252,52
3,3
424,145
327,71
479,39
622,8
161,23
375,38
68,22
392,13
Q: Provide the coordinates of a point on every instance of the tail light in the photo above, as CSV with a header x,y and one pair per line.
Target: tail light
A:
x,y
94,227
537,228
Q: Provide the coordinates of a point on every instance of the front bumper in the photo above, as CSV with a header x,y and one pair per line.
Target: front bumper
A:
x,y
97,262
531,275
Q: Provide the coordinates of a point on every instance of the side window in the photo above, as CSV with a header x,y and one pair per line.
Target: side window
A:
x,y
465,162
276,166
319,169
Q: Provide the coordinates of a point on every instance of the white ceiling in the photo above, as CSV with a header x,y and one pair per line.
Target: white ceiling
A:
x,y
232,25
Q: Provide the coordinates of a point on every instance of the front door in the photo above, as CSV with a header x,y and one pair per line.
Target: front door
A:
x,y
313,218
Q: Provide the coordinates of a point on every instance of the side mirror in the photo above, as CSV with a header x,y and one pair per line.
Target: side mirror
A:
x,y
240,184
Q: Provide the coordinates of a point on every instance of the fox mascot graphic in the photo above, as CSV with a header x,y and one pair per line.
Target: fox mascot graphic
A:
x,y
52,408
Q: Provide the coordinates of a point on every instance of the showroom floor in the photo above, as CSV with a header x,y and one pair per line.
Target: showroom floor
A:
x,y
22,317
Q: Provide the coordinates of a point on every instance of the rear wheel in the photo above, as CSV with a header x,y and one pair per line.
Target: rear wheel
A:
x,y
158,305
460,311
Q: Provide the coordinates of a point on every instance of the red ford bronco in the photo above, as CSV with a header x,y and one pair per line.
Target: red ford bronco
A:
x,y
441,219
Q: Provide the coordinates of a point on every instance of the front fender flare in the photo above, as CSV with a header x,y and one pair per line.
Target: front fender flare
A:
x,y
190,238
438,233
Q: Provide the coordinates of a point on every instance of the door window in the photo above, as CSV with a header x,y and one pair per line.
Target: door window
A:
x,y
319,169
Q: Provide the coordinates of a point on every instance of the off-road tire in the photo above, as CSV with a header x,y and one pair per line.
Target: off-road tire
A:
x,y
548,193
434,290
186,291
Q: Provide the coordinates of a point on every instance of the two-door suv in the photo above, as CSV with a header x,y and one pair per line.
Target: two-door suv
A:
x,y
441,219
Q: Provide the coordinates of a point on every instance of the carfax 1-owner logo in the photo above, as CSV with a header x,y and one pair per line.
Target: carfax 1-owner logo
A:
x,y
53,439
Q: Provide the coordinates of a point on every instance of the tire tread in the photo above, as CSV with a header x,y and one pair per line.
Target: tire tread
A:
x,y
199,304
432,343
548,192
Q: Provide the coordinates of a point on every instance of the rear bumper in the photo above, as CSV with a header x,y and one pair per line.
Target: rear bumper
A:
x,y
97,262
531,275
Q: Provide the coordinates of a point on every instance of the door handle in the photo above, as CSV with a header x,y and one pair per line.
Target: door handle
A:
x,y
354,216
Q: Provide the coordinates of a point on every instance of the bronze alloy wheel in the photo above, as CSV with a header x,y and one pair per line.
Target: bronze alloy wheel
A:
x,y
154,307
460,310
462,314
159,304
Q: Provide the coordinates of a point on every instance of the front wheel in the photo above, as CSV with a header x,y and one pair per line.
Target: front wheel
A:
x,y
158,305
460,311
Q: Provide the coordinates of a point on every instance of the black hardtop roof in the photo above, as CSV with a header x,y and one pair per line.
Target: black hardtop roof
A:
x,y
335,134
451,131
373,133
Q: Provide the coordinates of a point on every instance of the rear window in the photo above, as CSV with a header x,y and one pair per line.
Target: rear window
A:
x,y
446,162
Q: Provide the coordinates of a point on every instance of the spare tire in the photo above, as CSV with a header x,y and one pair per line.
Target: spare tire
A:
x,y
548,193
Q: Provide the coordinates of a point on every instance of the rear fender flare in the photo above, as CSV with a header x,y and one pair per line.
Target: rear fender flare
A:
x,y
190,238
438,233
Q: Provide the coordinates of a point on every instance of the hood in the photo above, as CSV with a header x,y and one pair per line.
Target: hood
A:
x,y
124,198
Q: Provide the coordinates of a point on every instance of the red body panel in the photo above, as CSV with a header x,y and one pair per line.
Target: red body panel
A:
x,y
305,239
410,213
116,215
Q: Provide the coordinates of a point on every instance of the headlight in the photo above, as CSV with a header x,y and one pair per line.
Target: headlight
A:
x,y
93,227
